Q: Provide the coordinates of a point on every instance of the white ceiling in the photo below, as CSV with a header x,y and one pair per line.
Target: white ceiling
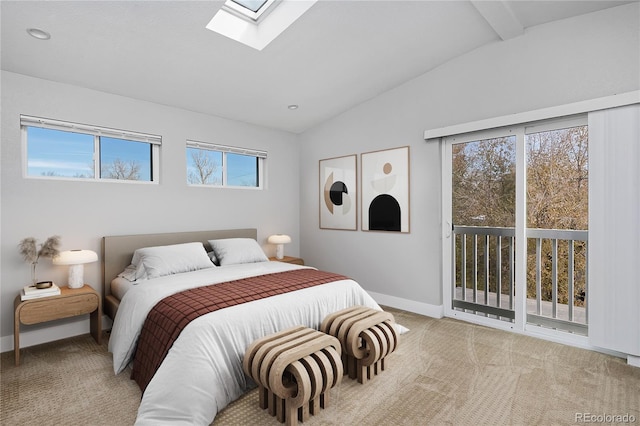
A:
x,y
337,55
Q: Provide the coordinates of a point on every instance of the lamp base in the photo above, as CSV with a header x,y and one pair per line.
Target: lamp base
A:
x,y
280,251
76,276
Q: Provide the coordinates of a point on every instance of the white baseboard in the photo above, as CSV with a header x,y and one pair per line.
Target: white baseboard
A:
x,y
434,311
633,360
49,333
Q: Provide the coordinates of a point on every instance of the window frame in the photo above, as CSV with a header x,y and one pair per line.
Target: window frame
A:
x,y
260,155
247,14
97,132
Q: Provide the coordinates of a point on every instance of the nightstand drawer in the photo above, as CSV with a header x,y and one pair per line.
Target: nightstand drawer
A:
x,y
53,308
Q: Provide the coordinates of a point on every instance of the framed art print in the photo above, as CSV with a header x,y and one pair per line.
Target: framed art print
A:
x,y
338,199
385,190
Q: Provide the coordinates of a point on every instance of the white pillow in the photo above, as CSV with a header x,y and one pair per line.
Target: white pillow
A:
x,y
172,259
231,251
131,273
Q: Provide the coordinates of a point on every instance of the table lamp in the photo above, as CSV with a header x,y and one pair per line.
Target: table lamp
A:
x,y
76,260
279,240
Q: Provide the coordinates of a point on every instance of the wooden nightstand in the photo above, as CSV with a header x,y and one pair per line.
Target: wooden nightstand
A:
x,y
70,302
289,259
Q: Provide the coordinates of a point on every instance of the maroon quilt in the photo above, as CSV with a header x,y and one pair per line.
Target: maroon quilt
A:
x,y
172,314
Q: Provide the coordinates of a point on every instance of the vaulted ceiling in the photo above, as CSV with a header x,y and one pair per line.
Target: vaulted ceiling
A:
x,y
337,55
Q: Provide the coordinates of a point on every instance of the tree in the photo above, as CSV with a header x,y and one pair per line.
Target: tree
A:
x,y
557,198
205,168
119,169
484,183
557,179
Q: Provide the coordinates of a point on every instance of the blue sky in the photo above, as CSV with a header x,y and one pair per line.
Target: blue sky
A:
x,y
59,153
241,170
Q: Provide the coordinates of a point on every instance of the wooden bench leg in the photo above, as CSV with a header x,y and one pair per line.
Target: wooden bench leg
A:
x,y
263,397
304,413
324,400
291,417
352,366
275,404
314,406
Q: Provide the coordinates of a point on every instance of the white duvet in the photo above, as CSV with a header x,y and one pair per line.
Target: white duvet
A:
x,y
202,372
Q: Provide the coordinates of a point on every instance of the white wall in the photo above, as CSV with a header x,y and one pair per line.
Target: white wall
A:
x,y
83,212
577,59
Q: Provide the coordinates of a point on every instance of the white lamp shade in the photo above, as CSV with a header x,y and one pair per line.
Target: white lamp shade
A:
x,y
279,240
76,259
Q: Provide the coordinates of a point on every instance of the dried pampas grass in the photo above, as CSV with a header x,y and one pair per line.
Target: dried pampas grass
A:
x,y
29,250
51,247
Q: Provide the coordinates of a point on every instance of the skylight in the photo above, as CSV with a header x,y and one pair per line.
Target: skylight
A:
x,y
252,5
238,21
252,10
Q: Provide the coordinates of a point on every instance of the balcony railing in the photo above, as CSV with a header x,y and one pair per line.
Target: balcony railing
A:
x,y
557,283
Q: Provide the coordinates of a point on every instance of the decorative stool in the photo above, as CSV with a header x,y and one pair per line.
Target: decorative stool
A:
x,y
367,337
294,370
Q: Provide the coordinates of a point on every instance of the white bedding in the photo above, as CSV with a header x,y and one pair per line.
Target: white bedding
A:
x,y
202,372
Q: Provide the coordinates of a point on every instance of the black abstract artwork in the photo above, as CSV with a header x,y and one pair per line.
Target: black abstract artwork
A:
x,y
338,193
385,190
384,214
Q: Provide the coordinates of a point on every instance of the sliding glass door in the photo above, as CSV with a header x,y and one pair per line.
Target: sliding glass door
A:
x,y
515,239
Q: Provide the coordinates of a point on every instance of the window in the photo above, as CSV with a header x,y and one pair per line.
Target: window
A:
x,y
252,5
125,159
64,150
219,165
252,10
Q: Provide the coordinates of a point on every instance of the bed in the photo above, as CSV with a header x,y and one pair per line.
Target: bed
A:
x,y
201,372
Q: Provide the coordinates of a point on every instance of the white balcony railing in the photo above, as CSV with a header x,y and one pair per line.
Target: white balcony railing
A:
x,y
557,283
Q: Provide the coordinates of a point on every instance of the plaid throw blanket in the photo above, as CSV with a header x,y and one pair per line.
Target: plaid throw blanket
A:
x,y
172,314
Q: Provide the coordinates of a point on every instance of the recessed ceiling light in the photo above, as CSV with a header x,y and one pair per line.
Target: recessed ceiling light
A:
x,y
293,106
38,33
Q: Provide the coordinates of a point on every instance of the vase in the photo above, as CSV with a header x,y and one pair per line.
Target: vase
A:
x,y
34,280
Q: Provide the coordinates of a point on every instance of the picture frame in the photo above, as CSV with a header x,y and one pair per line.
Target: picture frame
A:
x,y
338,180
385,190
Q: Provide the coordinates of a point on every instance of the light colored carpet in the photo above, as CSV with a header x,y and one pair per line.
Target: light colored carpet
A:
x,y
445,372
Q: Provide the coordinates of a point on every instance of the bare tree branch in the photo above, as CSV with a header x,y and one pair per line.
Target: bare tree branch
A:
x,y
120,169
206,168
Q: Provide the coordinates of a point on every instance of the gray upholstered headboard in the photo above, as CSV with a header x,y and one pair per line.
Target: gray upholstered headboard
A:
x,y
117,252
